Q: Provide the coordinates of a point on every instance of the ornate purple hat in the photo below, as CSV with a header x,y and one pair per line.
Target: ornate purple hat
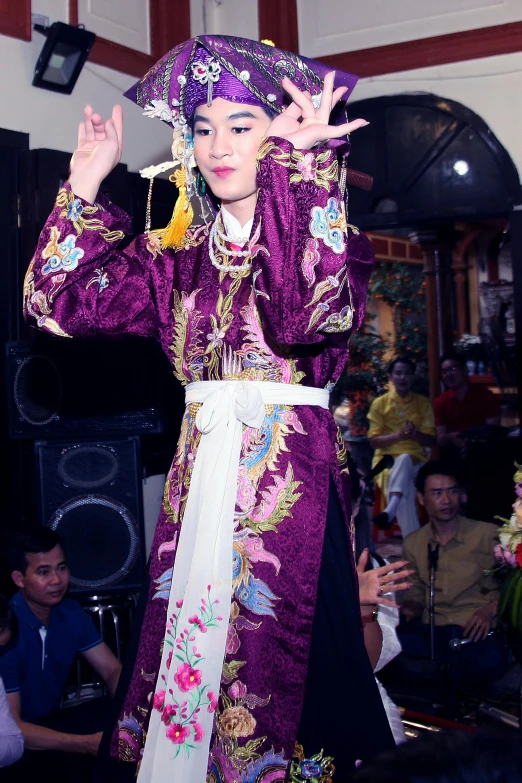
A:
x,y
237,69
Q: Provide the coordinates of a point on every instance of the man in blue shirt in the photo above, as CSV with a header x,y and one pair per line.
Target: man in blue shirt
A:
x,y
52,631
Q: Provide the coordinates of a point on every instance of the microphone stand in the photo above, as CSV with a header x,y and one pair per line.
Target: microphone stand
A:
x,y
433,557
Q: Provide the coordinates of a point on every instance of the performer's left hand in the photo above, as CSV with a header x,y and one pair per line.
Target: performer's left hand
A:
x,y
376,583
303,125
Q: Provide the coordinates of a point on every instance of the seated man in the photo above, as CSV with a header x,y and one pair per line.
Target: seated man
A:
x,y
52,630
11,740
401,424
463,405
466,596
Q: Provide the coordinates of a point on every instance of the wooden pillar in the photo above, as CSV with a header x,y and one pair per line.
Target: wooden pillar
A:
x,y
436,252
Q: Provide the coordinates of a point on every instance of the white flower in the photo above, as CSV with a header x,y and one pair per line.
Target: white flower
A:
x,y
215,338
162,111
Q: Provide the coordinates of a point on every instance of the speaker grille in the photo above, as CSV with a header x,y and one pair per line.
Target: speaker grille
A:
x,y
91,494
73,389
101,538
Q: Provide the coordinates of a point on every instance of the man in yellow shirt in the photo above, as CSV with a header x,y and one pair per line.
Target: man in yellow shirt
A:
x,y
466,593
401,424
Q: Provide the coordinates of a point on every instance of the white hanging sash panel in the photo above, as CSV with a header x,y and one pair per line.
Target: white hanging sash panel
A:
x,y
178,739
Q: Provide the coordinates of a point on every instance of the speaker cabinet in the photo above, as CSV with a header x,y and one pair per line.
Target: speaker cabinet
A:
x,y
90,493
74,389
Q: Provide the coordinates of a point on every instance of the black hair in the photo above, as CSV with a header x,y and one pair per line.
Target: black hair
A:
x,y
449,757
401,360
453,356
7,617
41,539
436,468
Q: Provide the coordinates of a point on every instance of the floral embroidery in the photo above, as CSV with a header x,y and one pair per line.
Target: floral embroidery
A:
x,y
187,337
316,769
154,245
321,168
61,255
100,278
180,718
73,210
329,224
310,260
215,338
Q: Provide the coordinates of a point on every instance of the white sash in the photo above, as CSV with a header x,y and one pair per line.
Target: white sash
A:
x,y
187,689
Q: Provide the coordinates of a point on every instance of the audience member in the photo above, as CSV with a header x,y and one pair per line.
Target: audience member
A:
x,y
11,740
449,757
402,425
52,630
466,595
463,405
380,619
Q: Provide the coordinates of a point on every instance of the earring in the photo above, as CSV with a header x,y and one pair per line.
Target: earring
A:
x,y
201,185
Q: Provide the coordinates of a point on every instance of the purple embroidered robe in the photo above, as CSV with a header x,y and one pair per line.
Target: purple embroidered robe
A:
x,y
287,320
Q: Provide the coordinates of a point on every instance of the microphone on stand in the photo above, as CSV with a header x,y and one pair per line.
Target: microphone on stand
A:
x,y
455,644
433,559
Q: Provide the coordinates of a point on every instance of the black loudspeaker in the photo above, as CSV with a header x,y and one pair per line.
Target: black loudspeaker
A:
x,y
75,389
90,493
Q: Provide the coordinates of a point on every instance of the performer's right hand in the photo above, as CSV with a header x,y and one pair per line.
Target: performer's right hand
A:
x,y
98,152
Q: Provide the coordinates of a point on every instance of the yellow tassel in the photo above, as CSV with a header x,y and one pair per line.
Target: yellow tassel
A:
x,y
183,215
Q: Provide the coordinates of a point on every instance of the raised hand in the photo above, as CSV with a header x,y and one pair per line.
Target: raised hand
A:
x,y
303,125
98,152
375,584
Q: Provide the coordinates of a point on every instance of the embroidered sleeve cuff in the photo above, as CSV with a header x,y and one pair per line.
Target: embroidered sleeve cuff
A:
x,y
77,208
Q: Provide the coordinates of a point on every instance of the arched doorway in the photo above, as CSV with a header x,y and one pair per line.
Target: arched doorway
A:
x,y
440,176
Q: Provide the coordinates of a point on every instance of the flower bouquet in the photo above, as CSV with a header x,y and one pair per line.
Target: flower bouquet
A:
x,y
509,554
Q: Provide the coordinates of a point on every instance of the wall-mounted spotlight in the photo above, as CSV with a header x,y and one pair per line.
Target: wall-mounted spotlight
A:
x,y
62,57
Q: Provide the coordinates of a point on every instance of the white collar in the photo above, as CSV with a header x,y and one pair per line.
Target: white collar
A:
x,y
236,233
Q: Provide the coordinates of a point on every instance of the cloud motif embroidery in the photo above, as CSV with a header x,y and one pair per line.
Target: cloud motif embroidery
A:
x,y
66,257
328,223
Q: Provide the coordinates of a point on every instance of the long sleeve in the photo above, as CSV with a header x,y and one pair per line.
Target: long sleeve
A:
x,y
79,283
311,272
11,740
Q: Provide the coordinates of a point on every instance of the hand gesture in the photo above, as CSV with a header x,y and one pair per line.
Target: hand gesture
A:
x,y
408,431
479,624
303,125
98,152
375,584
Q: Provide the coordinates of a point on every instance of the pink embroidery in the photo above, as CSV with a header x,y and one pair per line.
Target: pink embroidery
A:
x,y
307,166
181,719
310,260
187,678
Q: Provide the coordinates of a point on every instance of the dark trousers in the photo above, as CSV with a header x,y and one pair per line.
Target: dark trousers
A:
x,y
53,766
474,665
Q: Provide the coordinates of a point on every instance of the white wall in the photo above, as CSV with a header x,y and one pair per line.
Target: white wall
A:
x,y
491,87
52,119
333,26
225,17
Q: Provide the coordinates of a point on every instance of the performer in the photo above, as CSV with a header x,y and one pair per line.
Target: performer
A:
x,y
252,636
